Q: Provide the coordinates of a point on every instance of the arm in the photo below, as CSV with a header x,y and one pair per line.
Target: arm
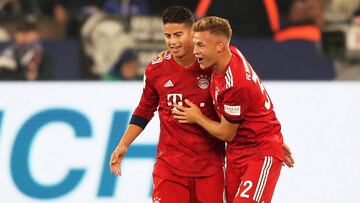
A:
x,y
223,130
141,116
129,136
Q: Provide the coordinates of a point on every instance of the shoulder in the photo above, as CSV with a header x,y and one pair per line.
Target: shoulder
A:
x,y
159,61
235,87
158,64
240,66
235,73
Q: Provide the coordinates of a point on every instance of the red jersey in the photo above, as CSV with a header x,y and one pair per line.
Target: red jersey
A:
x,y
240,97
187,149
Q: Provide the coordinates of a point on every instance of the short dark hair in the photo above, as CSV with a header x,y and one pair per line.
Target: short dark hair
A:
x,y
178,14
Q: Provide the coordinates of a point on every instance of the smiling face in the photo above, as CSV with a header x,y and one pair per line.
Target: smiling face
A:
x,y
206,49
178,38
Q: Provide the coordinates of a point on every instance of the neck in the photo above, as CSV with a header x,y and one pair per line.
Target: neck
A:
x,y
223,61
186,60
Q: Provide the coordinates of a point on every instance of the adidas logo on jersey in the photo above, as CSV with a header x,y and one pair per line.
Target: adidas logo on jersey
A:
x,y
169,84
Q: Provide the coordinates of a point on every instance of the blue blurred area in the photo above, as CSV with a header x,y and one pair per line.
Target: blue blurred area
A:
x,y
290,60
64,56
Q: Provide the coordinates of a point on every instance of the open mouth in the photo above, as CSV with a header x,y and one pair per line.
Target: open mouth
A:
x,y
200,59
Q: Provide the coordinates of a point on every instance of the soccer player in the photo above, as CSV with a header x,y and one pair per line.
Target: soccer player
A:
x,y
248,123
189,161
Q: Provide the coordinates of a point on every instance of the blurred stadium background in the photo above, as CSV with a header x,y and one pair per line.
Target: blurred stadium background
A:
x,y
70,76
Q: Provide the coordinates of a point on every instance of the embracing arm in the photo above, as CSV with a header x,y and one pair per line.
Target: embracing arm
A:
x,y
223,130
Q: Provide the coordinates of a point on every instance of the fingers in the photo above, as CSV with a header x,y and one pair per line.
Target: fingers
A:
x,y
113,164
114,170
178,107
115,160
183,121
289,162
188,102
181,118
118,170
115,167
161,55
288,158
177,112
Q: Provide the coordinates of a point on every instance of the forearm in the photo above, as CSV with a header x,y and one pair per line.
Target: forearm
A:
x,y
214,128
223,130
131,133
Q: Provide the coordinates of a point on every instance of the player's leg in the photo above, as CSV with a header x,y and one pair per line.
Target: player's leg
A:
x,y
232,181
259,181
208,189
169,191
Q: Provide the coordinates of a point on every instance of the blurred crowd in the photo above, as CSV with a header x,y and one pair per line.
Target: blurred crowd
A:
x,y
118,37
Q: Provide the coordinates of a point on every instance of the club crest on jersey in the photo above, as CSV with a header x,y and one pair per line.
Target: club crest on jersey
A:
x,y
203,81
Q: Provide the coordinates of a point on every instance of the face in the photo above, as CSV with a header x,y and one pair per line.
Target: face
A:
x,y
178,38
24,38
205,49
129,69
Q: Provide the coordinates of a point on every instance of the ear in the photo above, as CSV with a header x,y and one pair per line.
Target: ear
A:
x,y
220,46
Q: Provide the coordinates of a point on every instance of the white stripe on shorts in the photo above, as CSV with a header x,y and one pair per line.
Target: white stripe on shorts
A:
x,y
263,178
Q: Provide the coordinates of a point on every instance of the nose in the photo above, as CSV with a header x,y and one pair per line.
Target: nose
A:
x,y
172,40
196,50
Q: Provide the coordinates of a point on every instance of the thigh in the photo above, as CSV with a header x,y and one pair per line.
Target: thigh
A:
x,y
233,179
208,189
259,180
169,191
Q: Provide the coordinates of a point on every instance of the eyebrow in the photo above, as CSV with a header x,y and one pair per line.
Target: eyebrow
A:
x,y
199,43
179,32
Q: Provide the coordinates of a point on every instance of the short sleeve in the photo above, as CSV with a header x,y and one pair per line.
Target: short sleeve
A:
x,y
235,103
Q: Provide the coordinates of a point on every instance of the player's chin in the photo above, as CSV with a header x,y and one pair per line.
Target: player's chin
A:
x,y
203,66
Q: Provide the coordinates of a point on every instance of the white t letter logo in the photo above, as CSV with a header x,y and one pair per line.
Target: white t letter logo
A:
x,y
174,99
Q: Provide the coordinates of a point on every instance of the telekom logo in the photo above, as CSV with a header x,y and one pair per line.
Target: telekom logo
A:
x,y
174,99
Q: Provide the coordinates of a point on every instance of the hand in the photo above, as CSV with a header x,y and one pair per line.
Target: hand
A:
x,y
115,160
160,55
187,114
288,159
